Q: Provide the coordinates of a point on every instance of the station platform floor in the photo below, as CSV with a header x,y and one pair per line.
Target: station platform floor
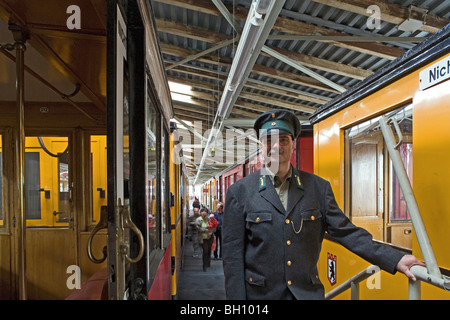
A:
x,y
196,284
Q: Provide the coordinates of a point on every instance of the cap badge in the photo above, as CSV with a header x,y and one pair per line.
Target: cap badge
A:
x,y
274,123
273,115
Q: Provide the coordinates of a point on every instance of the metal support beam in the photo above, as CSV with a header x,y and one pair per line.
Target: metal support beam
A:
x,y
227,15
190,129
302,68
324,38
203,53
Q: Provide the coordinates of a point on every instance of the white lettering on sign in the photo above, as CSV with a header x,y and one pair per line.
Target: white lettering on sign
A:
x,y
434,74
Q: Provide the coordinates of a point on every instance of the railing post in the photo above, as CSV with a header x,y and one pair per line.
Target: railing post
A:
x,y
354,291
414,292
20,38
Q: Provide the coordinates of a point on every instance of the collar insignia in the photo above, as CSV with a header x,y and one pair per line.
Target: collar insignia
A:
x,y
298,181
262,182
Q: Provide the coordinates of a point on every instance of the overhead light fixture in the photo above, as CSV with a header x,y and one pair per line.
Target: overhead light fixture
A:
x,y
246,47
262,6
411,24
225,101
249,38
260,20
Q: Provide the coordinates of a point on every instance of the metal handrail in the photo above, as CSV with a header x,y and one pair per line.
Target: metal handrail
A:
x,y
418,271
353,283
421,273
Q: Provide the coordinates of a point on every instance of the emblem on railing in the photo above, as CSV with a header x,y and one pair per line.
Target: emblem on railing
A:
x,y
331,273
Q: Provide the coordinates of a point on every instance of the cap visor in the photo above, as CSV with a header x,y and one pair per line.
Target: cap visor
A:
x,y
270,132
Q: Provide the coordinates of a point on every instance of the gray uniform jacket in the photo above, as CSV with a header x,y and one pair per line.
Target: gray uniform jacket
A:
x,y
272,253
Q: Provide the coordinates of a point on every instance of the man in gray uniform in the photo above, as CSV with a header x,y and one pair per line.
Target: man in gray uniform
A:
x,y
275,220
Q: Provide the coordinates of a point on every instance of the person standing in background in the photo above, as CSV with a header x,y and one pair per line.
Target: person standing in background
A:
x,y
219,216
205,236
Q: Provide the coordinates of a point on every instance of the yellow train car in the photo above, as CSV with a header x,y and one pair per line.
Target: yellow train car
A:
x,y
351,152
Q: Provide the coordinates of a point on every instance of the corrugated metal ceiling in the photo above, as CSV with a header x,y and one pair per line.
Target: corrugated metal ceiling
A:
x,y
189,27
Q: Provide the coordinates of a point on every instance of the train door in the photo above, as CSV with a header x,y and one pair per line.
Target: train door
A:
x,y
126,161
374,200
50,234
367,170
117,154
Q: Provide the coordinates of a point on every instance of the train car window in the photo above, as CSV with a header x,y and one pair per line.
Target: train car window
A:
x,y
98,179
398,210
32,186
47,186
373,196
64,192
2,215
126,133
152,208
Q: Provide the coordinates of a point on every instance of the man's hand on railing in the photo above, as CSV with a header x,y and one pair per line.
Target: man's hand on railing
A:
x,y
406,262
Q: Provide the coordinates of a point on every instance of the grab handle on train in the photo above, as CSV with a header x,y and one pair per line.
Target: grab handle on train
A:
x,y
102,224
128,223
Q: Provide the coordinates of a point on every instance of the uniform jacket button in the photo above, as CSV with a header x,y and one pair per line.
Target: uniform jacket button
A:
x,y
289,263
258,219
287,221
289,282
288,242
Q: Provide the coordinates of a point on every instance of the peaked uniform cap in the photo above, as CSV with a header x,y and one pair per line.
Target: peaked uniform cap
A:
x,y
277,122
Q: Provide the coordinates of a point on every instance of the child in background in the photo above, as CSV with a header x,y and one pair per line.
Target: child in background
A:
x,y
213,223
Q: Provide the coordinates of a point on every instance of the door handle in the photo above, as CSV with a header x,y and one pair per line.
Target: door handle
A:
x,y
102,192
102,224
46,193
126,222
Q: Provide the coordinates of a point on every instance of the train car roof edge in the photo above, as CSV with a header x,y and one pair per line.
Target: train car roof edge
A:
x,y
434,46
